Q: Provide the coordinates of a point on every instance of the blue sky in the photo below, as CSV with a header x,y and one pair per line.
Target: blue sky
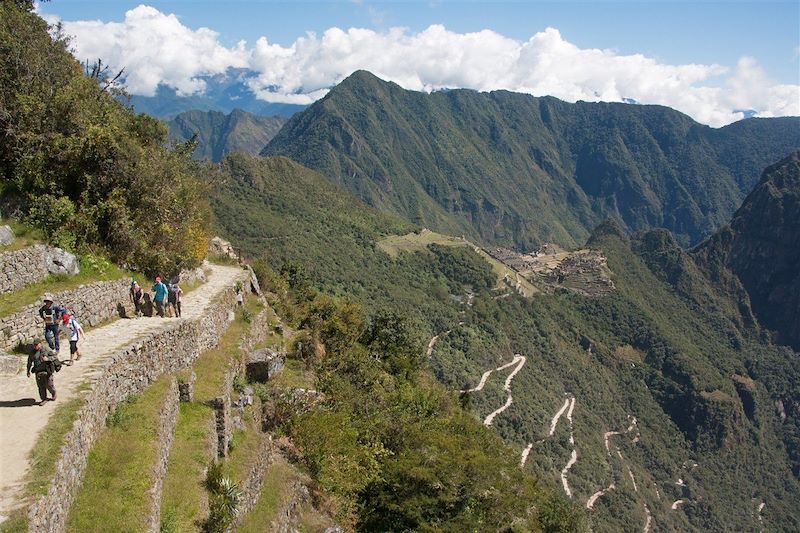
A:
x,y
739,44
675,32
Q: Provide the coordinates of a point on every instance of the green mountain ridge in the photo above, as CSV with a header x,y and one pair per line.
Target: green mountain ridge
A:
x,y
218,134
517,170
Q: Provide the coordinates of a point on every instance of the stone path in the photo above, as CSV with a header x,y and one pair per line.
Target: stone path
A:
x,y
22,420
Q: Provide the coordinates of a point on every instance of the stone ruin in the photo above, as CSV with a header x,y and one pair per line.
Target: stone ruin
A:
x,y
552,268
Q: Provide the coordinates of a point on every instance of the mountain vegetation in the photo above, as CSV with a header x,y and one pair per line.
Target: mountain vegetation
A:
x,y
217,134
450,402
517,170
670,346
759,251
88,172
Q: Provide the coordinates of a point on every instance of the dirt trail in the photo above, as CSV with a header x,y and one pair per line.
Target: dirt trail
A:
x,y
488,373
593,498
553,424
606,441
21,419
573,458
677,503
432,343
519,360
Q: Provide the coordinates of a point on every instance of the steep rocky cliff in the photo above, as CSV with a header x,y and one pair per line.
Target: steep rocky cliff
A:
x,y
759,251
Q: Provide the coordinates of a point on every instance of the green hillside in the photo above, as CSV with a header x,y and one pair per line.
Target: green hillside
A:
x,y
667,347
513,169
218,134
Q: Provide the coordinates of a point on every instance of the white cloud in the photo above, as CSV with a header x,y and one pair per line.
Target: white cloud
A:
x,y
157,48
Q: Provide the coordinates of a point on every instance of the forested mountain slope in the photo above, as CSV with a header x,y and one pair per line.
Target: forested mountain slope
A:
x,y
760,249
219,134
663,389
517,170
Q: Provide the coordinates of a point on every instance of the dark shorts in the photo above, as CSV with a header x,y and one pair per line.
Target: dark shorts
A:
x,y
73,347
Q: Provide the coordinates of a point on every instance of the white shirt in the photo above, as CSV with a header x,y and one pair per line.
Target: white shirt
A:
x,y
74,328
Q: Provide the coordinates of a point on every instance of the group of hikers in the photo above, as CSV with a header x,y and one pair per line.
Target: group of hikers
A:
x,y
166,299
44,361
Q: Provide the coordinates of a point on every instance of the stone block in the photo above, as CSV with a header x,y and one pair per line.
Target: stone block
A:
x,y
263,365
6,235
186,388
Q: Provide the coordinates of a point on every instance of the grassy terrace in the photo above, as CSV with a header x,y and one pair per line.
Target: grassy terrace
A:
x,y
413,242
24,235
119,473
278,483
246,443
183,501
184,498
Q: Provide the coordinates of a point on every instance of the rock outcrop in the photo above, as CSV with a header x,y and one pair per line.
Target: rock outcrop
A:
x,y
263,365
221,248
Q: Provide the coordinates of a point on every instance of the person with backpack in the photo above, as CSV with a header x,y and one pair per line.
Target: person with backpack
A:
x,y
160,296
136,296
51,314
172,309
177,295
43,362
75,332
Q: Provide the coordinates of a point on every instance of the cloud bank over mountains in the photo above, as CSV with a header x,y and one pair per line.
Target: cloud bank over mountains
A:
x,y
156,48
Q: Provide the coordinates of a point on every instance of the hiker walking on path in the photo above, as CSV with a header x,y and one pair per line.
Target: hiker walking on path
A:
x,y
43,362
160,296
75,332
171,307
51,314
175,295
136,297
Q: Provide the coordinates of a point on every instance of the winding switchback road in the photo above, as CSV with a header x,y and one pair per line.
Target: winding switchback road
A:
x,y
519,360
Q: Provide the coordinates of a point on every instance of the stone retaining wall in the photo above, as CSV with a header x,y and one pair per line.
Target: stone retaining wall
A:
x,y
33,264
167,421
222,403
222,408
91,304
129,371
252,485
